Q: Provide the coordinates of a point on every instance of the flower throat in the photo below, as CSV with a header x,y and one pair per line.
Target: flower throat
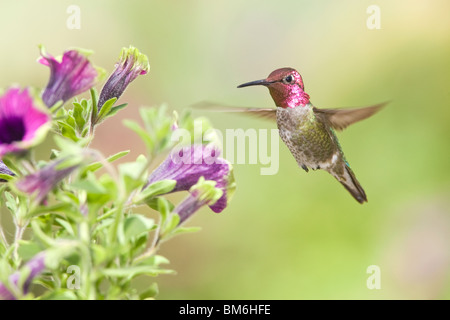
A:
x,y
11,129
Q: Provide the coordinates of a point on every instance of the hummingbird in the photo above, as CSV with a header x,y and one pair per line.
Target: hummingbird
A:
x,y
307,131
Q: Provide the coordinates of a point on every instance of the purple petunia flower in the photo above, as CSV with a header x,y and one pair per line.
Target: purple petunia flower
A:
x,y
44,180
36,266
5,170
22,124
201,194
70,76
131,64
188,164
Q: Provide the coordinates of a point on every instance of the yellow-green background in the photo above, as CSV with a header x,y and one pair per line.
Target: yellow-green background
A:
x,y
292,235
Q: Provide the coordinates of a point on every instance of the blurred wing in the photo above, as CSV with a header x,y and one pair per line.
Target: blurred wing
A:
x,y
340,119
256,112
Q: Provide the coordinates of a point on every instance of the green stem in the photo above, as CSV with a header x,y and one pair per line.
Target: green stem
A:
x,y
17,237
153,247
87,280
116,223
141,173
3,238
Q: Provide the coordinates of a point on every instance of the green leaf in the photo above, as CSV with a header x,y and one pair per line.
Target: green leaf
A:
x,y
94,99
149,116
155,260
66,225
155,189
54,154
67,131
151,292
136,224
164,208
79,115
70,120
69,162
67,147
91,185
5,270
132,173
105,223
49,242
131,272
97,165
86,105
59,207
56,106
59,251
28,249
6,177
105,109
85,132
141,241
118,155
181,230
100,253
171,224
116,109
148,141
11,202
61,294
157,127
11,163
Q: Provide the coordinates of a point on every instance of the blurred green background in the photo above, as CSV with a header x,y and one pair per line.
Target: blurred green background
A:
x,y
291,235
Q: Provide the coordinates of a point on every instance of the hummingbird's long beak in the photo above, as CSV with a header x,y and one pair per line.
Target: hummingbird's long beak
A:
x,y
262,82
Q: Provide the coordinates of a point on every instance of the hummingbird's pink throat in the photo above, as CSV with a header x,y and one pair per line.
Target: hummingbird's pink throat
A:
x,y
289,96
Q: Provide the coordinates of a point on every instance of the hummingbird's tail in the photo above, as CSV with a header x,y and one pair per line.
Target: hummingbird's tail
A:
x,y
350,183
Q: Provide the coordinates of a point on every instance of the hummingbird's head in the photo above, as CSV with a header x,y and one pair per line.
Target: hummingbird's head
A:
x,y
285,86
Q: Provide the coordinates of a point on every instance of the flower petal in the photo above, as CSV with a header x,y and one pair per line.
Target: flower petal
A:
x,y
36,266
188,164
68,78
44,180
131,64
202,193
5,170
20,121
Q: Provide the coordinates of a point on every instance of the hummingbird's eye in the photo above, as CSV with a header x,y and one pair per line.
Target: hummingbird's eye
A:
x,y
289,79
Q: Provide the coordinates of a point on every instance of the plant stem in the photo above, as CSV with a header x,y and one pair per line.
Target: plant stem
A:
x,y
3,238
17,237
153,247
115,226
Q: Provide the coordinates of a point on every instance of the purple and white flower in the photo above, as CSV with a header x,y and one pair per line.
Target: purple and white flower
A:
x,y
36,266
44,180
22,123
5,170
188,164
201,194
69,76
131,64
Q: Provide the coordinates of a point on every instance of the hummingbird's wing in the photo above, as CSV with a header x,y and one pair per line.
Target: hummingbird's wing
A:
x,y
256,112
340,119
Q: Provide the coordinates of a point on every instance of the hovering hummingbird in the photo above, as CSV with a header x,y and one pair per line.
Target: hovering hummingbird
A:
x,y
308,131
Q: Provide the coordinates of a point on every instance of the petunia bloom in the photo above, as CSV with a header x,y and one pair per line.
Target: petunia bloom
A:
x,y
36,265
69,76
201,194
131,64
22,124
5,170
188,164
44,180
